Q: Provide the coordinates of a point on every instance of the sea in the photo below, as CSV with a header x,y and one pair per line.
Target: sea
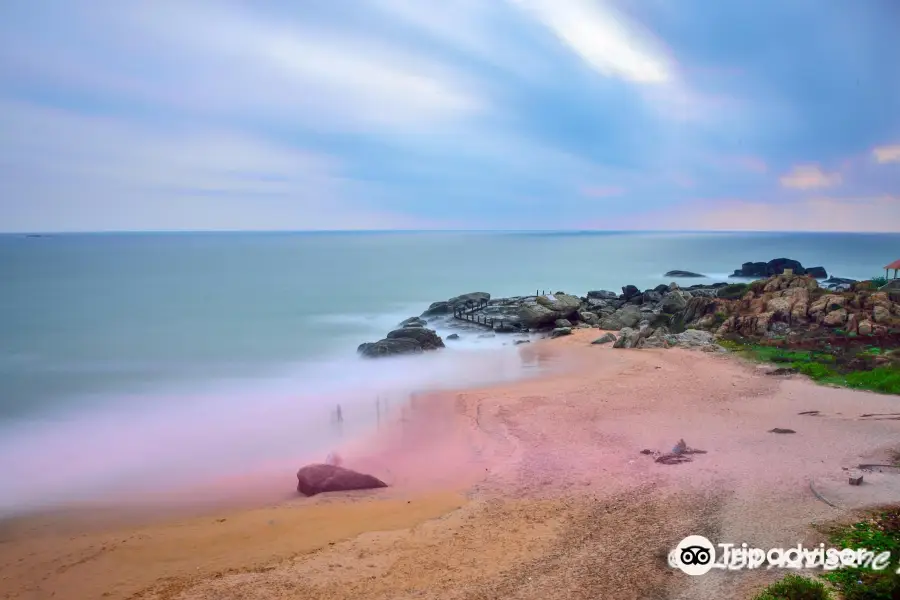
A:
x,y
136,362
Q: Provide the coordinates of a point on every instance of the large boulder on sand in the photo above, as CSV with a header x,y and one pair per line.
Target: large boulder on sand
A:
x,y
543,311
319,478
389,348
428,339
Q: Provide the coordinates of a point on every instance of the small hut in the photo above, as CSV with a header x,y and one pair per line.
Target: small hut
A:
x,y
894,266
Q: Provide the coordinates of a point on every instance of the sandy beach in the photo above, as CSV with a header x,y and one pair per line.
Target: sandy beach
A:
x,y
536,489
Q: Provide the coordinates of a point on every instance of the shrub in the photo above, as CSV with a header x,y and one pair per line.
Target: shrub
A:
x,y
879,281
881,379
878,534
734,291
795,587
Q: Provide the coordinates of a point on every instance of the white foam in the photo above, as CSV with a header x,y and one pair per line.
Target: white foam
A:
x,y
150,442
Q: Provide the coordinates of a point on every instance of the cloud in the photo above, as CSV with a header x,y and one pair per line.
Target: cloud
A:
x,y
602,191
887,154
67,171
875,214
216,58
805,177
603,39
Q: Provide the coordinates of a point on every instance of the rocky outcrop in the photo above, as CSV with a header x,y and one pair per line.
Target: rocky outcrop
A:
x,y
543,311
406,340
683,274
786,304
320,478
446,307
428,339
387,347
413,322
777,266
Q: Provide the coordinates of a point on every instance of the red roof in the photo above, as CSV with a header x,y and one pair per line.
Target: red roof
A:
x,y
894,265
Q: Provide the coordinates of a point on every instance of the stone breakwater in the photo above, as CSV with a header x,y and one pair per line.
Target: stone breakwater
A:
x,y
787,305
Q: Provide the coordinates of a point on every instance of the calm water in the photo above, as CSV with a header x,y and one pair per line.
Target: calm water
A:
x,y
122,354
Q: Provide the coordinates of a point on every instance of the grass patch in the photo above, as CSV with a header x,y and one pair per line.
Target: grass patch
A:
x,y
823,367
879,533
880,379
795,587
734,291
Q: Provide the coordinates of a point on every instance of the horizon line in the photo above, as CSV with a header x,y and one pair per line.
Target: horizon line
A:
x,y
351,231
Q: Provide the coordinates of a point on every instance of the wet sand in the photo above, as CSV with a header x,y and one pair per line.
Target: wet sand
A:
x,y
535,489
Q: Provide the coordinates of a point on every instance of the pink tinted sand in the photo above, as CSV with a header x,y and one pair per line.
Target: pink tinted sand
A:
x,y
562,504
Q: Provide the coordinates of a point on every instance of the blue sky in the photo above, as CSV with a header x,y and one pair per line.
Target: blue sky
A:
x,y
450,114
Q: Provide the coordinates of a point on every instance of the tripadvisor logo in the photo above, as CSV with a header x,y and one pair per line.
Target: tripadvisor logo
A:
x,y
694,555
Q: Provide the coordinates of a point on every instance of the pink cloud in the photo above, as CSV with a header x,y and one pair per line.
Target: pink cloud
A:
x,y
887,154
809,176
864,214
602,191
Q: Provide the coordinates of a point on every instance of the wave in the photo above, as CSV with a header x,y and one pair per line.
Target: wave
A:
x,y
146,444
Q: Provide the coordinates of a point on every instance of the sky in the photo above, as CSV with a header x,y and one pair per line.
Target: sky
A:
x,y
450,114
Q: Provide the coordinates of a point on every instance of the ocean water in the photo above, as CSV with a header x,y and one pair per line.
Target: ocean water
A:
x,y
130,360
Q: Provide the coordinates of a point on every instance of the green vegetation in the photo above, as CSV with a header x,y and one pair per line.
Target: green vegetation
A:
x,y
880,379
794,587
879,281
735,291
877,534
823,367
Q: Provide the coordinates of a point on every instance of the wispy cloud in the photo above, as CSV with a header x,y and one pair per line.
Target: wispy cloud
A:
x,y
887,154
806,177
422,113
603,39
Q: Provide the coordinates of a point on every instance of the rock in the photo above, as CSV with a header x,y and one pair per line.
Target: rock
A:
x,y
563,323
629,292
855,479
605,339
588,317
751,269
507,327
683,274
602,295
453,336
835,317
694,338
628,337
780,430
629,315
438,308
320,478
486,335
881,314
675,301
463,301
866,327
817,272
389,347
611,323
773,267
413,322
560,332
663,288
428,339
517,342
543,311
778,265
651,297
840,281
